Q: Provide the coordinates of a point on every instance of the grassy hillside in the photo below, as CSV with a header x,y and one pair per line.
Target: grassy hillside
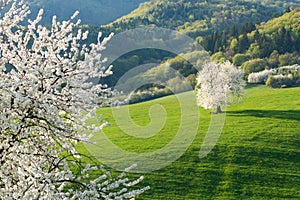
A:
x,y
256,157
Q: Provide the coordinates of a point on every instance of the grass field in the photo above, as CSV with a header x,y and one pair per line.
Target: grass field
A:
x,y
256,157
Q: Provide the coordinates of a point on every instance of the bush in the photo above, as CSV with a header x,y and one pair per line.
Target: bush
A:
x,y
239,59
179,85
289,69
273,60
219,57
151,93
254,65
260,77
280,81
289,59
192,80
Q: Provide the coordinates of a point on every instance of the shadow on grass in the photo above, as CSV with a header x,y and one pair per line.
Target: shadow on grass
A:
x,y
251,85
278,114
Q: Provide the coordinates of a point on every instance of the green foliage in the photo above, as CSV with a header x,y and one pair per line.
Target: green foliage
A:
x,y
192,80
289,59
219,40
197,18
265,46
133,59
273,60
176,63
243,44
234,45
256,157
289,20
280,81
254,65
281,46
184,64
219,57
239,59
237,43
254,50
282,77
149,94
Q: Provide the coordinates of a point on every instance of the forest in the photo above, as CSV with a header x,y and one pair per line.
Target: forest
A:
x,y
253,45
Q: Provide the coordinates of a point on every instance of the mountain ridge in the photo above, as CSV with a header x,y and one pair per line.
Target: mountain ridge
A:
x,y
197,17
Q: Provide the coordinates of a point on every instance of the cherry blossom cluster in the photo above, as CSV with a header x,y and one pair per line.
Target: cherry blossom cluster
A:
x,y
46,95
260,77
219,84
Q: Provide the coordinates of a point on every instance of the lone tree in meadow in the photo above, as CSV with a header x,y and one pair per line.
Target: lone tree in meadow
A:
x,y
45,98
219,84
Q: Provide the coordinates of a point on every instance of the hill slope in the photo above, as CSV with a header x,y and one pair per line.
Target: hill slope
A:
x,y
288,20
256,157
237,44
95,12
277,41
199,17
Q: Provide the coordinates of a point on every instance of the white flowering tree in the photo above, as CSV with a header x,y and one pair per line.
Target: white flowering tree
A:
x,y
260,77
219,84
44,90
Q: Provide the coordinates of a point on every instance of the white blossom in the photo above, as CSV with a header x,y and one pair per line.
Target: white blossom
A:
x,y
219,84
45,90
289,69
260,77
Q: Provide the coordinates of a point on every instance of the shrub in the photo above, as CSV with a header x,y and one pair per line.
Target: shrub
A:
x,y
289,59
260,77
289,69
280,81
192,80
218,57
179,85
254,65
151,93
273,60
239,59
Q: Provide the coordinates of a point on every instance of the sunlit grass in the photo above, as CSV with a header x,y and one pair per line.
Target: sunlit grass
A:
x,y
256,157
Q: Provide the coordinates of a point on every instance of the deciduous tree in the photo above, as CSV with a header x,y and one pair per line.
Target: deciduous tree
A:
x,y
43,98
219,84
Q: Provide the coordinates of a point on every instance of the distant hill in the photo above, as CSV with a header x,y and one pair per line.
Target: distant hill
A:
x,y
271,44
274,43
198,17
288,20
96,12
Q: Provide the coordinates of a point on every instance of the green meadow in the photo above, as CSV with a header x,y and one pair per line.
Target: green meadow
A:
x,y
256,157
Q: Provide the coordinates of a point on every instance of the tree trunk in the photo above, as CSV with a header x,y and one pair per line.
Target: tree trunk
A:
x,y
219,110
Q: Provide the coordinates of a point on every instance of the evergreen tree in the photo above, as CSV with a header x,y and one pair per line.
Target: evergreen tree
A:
x,y
273,60
243,43
233,32
297,42
256,36
288,42
265,45
218,45
223,40
279,40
